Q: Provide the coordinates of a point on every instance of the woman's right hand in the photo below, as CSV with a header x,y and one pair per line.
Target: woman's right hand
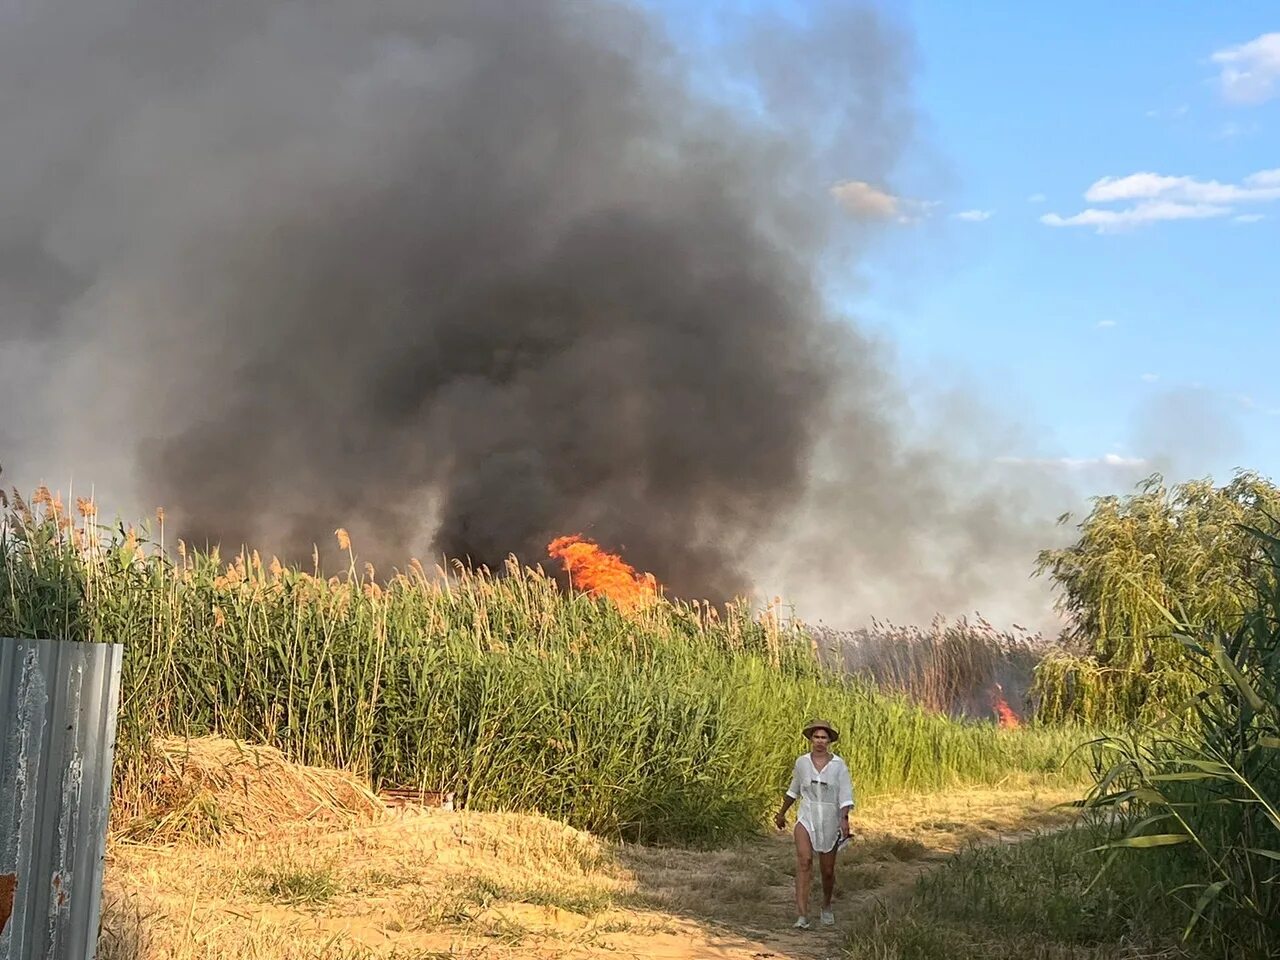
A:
x,y
780,821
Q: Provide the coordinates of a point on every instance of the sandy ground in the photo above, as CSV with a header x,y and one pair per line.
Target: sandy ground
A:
x,y
422,883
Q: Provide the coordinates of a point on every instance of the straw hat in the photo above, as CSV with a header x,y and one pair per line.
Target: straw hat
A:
x,y
813,725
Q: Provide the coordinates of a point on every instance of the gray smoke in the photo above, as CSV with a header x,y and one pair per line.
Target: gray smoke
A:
x,y
464,275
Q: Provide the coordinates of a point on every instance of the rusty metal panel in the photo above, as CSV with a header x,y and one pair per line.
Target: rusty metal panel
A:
x,y
58,703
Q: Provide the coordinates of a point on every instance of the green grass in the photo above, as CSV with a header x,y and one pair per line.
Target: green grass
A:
x,y
294,885
678,722
1034,900
484,892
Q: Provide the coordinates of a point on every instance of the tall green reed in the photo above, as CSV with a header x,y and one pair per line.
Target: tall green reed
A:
x,y
675,722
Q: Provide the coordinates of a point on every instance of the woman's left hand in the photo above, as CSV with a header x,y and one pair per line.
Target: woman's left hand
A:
x,y
844,828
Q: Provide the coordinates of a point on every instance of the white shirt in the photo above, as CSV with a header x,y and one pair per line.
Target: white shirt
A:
x,y
823,795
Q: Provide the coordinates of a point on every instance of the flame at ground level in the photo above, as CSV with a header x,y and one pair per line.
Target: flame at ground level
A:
x,y
1005,715
603,574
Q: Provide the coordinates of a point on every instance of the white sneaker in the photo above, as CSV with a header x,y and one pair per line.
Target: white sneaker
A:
x,y
828,918
802,923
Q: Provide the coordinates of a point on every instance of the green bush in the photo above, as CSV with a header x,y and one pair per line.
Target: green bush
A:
x,y
1182,548
1213,793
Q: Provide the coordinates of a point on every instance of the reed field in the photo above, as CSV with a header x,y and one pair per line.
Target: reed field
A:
x,y
668,722
960,667
660,722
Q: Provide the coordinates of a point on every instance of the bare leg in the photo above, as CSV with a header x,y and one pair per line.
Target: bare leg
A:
x,y
827,865
804,870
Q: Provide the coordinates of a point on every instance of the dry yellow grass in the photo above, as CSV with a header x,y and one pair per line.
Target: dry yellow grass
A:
x,y
202,789
285,884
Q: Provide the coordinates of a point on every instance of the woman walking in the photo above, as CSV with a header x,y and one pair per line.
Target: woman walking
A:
x,y
820,781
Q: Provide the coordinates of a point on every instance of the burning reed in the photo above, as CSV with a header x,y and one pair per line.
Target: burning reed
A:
x,y
963,668
602,574
666,722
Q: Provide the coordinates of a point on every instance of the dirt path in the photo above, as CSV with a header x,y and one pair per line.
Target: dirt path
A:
x,y
898,840
426,883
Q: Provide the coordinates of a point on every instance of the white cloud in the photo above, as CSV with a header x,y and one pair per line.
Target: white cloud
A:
x,y
1230,130
1155,197
1037,198
1250,71
1112,221
1113,460
1249,217
974,216
1173,113
1249,403
1102,324
1256,188
1151,377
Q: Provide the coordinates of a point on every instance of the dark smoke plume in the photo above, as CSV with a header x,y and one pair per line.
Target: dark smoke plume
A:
x,y
461,276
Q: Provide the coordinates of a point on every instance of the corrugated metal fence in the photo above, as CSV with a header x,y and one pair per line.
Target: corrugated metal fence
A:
x,y
58,704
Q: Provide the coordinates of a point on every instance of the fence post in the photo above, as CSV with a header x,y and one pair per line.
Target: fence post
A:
x,y
58,702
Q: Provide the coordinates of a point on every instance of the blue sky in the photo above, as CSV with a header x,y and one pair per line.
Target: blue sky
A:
x,y
1140,322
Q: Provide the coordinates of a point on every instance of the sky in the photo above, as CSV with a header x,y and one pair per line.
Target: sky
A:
x,y
1095,210
1053,224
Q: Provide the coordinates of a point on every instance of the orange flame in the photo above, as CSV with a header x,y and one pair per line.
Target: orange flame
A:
x,y
1005,715
603,574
